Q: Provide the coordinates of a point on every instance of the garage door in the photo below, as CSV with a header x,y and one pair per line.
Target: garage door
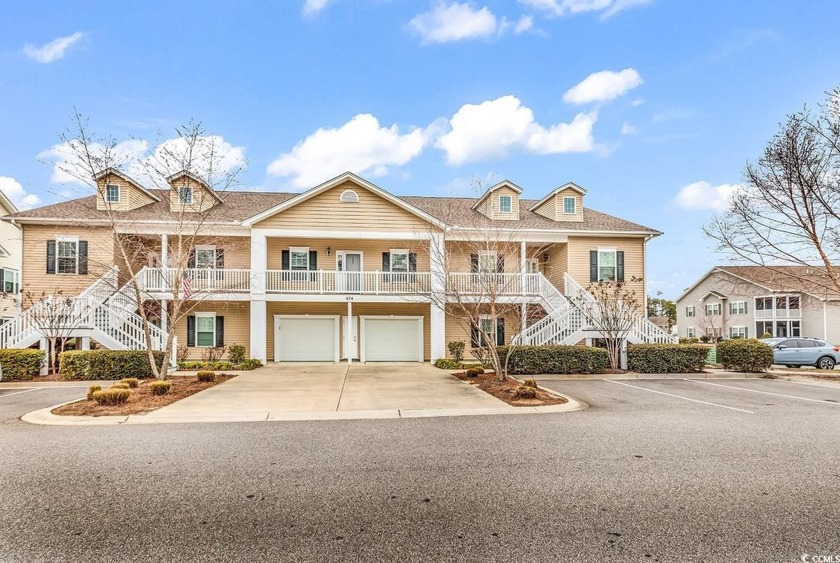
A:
x,y
392,339
306,339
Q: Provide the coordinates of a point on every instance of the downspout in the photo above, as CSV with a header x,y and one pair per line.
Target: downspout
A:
x,y
825,322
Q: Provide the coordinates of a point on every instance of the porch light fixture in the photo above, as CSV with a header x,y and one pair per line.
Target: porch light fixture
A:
x,y
545,256
329,251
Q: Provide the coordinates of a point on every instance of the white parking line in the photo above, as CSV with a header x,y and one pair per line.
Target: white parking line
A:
x,y
678,396
769,393
19,392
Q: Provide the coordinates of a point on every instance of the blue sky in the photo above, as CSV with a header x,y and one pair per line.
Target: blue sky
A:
x,y
653,106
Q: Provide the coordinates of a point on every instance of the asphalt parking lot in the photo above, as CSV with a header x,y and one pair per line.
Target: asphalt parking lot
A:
x,y
654,470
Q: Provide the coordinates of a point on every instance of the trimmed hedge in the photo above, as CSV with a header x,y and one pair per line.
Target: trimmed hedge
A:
x,y
666,358
533,360
246,365
752,356
107,364
21,364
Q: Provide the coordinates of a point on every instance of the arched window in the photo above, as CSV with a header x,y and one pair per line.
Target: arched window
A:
x,y
349,196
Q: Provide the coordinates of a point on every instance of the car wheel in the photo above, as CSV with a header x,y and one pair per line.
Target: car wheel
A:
x,y
825,363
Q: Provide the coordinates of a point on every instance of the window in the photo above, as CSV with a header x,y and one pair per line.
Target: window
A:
x,y
399,260
738,308
763,303
299,258
794,328
763,328
11,281
569,205
487,326
532,266
185,194
67,256
713,308
793,303
689,311
737,332
205,257
348,196
690,333
505,204
112,193
807,344
205,329
487,261
607,265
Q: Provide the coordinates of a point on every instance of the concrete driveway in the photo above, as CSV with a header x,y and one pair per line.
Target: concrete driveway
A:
x,y
285,391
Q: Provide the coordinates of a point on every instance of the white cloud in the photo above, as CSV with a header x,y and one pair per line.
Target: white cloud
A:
x,y
492,129
19,196
560,8
312,7
52,51
635,103
703,195
603,86
627,129
361,146
444,23
524,24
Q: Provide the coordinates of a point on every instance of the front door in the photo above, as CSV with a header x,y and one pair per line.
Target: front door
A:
x,y
350,272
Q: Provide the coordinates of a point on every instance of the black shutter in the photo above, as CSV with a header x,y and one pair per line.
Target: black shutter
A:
x,y
386,261
220,331
500,331
191,259
500,264
50,256
619,266
191,331
313,260
412,261
284,260
220,258
474,263
83,257
475,337
593,265
3,282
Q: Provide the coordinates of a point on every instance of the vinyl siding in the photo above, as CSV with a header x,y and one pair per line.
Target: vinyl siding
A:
x,y
558,263
577,216
371,251
458,259
202,199
494,205
634,260
237,325
548,209
455,330
11,240
325,212
359,309
130,196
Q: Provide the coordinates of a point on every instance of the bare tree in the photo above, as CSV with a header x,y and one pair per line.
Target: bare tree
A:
x,y
713,326
55,316
612,309
204,172
788,212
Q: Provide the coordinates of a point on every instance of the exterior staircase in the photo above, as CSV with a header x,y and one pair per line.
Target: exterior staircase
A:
x,y
102,312
572,316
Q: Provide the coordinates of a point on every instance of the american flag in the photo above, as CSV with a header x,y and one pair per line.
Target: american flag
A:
x,y
187,284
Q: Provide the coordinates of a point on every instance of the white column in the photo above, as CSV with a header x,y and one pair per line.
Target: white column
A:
x,y
44,345
259,336
259,263
164,250
437,315
85,342
348,333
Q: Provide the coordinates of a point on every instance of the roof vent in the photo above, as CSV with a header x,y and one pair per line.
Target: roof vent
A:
x,y
349,196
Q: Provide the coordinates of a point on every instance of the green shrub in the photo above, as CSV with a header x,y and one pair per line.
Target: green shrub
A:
x,y
132,382
473,372
160,387
236,354
111,397
91,390
748,355
21,364
533,360
205,376
446,363
690,340
766,335
705,339
456,348
205,366
530,382
120,386
249,364
106,364
524,392
666,358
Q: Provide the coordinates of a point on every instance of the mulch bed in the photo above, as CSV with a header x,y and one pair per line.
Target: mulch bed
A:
x,y
504,390
141,399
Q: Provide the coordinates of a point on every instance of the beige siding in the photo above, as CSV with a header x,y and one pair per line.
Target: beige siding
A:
x,y
131,197
325,212
359,309
548,209
557,265
202,198
459,255
237,325
371,251
634,260
458,328
490,205
101,257
559,207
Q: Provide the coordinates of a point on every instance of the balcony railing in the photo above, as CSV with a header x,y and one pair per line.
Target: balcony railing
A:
x,y
489,284
769,314
199,279
330,281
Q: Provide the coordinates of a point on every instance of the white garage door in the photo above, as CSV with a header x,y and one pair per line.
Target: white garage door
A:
x,y
305,339
391,339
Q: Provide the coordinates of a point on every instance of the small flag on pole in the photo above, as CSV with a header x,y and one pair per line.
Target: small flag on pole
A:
x,y
187,283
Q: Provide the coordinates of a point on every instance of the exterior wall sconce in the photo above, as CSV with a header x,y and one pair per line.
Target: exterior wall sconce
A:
x,y
329,251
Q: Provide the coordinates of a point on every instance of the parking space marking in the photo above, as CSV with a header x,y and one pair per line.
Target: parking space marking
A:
x,y
2,395
679,396
768,393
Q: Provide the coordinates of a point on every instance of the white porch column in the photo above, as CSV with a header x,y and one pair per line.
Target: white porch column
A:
x,y
348,333
437,315
164,250
44,346
259,264
85,342
259,335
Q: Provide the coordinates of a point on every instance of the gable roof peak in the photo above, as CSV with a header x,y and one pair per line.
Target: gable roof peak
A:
x,y
496,186
557,190
195,178
120,174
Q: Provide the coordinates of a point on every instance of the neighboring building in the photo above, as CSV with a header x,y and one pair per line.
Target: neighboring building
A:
x,y
329,274
751,301
10,262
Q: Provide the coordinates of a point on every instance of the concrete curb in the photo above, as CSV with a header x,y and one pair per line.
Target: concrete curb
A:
x,y
46,417
597,377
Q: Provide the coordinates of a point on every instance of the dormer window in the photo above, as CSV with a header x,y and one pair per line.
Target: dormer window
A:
x,y
112,193
569,206
505,204
349,196
185,195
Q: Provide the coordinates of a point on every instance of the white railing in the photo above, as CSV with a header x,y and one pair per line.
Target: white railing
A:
x,y
561,321
330,281
200,279
104,287
493,284
769,314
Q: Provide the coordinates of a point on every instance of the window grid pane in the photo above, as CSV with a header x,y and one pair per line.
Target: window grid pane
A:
x,y
606,265
399,261
504,204
569,205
